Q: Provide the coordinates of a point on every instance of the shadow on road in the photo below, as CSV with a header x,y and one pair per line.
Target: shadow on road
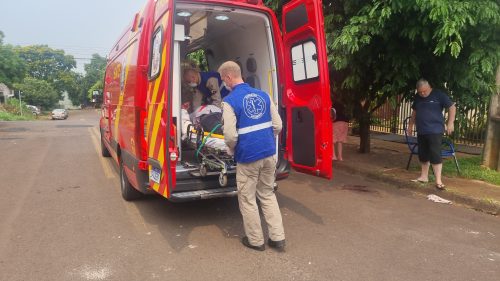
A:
x,y
176,221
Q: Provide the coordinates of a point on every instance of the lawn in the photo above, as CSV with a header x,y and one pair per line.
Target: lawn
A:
x,y
5,116
471,168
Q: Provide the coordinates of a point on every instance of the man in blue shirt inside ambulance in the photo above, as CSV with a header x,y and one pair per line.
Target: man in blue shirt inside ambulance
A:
x,y
251,124
206,86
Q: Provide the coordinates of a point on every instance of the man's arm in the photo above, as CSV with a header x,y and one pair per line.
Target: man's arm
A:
x,y
276,119
450,126
230,133
213,88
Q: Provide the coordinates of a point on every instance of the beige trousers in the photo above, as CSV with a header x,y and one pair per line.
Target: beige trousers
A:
x,y
256,179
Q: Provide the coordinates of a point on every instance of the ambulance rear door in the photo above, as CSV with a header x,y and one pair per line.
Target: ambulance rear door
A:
x,y
307,90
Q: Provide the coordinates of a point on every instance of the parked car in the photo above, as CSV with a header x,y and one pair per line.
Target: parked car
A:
x,y
59,113
35,110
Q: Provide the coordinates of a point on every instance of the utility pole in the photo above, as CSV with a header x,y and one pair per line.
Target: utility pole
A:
x,y
20,103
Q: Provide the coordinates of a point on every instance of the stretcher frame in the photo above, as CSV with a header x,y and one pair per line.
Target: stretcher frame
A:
x,y
212,160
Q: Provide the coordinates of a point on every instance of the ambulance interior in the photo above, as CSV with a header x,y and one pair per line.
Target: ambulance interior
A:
x,y
223,33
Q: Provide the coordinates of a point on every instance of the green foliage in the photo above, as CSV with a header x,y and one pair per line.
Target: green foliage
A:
x,y
381,47
52,66
471,169
12,67
12,106
199,58
6,116
93,79
37,92
98,86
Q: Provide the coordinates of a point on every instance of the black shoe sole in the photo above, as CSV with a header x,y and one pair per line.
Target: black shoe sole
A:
x,y
277,245
247,244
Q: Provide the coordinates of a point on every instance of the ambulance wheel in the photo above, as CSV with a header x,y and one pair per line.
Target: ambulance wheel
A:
x,y
129,193
222,180
104,149
203,170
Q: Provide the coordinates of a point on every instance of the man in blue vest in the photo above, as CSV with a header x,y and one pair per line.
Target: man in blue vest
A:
x,y
251,124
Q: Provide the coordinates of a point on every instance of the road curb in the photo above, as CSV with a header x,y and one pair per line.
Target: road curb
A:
x,y
480,204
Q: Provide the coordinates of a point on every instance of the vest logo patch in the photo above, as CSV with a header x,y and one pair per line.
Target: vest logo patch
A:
x,y
254,106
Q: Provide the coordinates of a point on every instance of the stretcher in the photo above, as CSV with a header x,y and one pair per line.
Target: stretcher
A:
x,y
211,152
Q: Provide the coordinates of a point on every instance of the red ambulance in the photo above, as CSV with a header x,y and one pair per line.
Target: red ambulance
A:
x,y
141,114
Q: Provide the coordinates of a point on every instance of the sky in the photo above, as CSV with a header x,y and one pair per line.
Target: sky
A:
x,y
80,28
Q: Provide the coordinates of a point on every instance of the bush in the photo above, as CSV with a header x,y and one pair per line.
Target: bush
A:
x,y
12,107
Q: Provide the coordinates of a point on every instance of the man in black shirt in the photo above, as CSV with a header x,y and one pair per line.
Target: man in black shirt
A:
x,y
427,114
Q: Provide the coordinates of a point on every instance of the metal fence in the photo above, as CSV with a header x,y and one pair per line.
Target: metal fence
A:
x,y
470,123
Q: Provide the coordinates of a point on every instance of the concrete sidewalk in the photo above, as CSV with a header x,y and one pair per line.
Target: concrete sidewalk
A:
x,y
387,162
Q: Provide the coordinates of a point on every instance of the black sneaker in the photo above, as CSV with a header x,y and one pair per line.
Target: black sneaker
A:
x,y
245,242
278,245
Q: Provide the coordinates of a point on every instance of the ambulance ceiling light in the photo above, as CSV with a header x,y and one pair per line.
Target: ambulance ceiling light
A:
x,y
184,14
221,17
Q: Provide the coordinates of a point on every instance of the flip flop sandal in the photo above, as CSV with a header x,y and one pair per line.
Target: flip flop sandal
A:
x,y
419,181
440,186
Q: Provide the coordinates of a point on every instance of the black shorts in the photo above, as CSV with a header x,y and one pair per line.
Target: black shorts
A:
x,y
429,148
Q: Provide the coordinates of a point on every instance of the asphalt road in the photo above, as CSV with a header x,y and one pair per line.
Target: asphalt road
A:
x,y
62,218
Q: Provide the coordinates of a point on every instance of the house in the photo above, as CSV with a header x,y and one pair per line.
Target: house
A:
x,y
5,93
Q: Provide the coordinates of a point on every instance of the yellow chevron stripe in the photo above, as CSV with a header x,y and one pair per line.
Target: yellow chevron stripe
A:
x,y
130,51
152,141
161,159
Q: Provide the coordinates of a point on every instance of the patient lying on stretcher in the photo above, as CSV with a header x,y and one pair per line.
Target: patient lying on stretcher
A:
x,y
208,119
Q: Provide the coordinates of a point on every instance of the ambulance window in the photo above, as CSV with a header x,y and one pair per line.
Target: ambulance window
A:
x,y
155,60
304,61
296,18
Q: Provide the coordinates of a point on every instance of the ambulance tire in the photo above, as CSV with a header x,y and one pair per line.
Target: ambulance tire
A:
x,y
104,149
129,193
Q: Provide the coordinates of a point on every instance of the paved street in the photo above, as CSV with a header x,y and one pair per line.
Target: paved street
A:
x,y
62,218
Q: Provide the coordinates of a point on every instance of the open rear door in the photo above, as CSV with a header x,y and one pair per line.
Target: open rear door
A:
x,y
307,90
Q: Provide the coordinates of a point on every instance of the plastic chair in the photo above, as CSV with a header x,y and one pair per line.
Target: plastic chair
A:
x,y
447,147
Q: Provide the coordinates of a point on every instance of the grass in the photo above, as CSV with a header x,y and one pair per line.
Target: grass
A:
x,y
471,168
6,116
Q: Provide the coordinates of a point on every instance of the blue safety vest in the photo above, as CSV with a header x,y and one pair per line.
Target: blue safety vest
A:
x,y
204,76
253,123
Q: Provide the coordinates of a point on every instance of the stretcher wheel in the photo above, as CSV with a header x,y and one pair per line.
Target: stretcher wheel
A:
x,y
203,170
222,179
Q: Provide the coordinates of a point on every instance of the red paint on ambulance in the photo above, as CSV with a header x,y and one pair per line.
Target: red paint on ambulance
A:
x,y
140,122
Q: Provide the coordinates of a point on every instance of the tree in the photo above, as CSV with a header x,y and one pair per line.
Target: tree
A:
x,y
72,83
94,75
37,92
380,48
12,67
52,66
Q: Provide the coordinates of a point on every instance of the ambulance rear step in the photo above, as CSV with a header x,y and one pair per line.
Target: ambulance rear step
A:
x,y
204,194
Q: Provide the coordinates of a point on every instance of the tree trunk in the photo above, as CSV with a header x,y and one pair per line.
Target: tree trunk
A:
x,y
364,133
